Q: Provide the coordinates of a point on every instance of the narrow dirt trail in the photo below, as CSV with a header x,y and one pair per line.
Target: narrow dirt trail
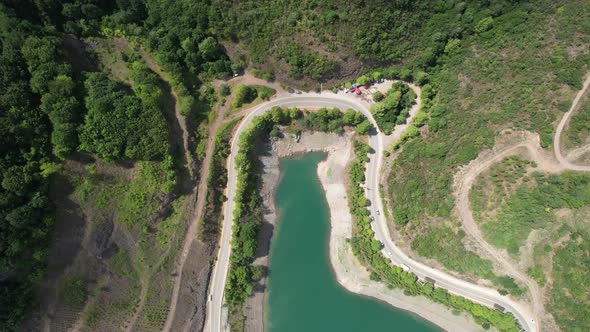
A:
x,y
139,307
467,176
563,124
464,181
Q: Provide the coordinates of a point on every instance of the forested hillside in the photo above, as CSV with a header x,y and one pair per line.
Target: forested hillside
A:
x,y
485,66
34,82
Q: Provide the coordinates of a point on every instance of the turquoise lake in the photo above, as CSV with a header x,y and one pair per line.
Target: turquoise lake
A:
x,y
303,292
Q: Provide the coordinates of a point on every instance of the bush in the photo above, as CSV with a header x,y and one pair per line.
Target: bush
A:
x,y
244,94
186,106
224,90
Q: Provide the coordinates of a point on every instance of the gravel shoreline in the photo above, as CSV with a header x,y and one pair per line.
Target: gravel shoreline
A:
x,y
348,270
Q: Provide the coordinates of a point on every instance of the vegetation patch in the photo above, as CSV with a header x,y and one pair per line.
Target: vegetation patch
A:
x,y
120,125
445,245
578,128
532,205
217,181
73,291
394,107
248,95
570,301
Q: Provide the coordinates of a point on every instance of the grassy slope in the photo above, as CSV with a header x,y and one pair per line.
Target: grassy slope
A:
x,y
510,205
130,205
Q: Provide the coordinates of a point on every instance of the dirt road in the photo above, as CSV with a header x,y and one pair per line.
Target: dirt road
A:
x,y
465,178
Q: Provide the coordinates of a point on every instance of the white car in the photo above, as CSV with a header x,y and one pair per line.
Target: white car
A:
x,y
377,211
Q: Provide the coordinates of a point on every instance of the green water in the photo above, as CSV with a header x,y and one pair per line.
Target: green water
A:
x,y
304,295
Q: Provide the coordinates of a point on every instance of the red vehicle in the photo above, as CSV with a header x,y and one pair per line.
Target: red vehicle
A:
x,y
357,91
366,86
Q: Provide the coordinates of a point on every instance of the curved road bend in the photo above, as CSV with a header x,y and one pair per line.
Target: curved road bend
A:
x,y
216,314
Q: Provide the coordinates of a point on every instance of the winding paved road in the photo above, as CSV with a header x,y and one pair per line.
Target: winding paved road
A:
x,y
216,312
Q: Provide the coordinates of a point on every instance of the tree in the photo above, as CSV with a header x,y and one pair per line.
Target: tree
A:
x,y
187,105
378,96
224,90
363,128
362,80
120,125
209,49
484,24
377,76
244,94
453,47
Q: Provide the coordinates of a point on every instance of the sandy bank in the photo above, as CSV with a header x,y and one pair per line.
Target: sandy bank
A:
x,y
348,270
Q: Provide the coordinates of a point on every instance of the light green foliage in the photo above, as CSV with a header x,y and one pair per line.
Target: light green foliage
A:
x,y
353,118
569,295
362,80
453,47
509,204
244,94
138,198
579,126
135,201
498,80
306,63
484,24
364,127
531,207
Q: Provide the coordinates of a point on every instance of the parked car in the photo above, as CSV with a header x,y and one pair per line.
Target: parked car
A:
x,y
377,211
